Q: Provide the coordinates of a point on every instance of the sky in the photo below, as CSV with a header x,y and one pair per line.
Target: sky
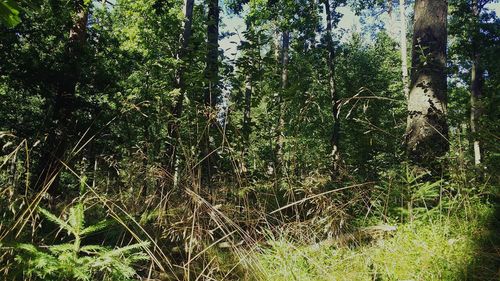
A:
x,y
235,24
349,21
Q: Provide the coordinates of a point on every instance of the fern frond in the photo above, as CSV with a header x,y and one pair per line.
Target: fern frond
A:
x,y
427,190
82,272
149,216
76,217
116,266
70,261
62,224
139,256
28,248
95,228
126,249
37,262
93,249
57,249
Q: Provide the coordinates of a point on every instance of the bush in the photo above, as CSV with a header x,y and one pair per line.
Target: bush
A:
x,y
73,261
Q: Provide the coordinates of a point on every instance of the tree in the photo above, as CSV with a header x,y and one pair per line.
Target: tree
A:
x,y
211,93
64,103
247,118
173,128
280,137
427,129
335,138
402,42
373,105
474,31
476,84
9,13
281,17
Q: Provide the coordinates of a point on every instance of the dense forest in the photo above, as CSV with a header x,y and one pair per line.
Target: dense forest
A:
x,y
249,140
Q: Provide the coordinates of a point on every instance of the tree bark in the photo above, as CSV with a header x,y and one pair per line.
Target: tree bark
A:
x,y
476,84
427,129
57,143
404,48
173,127
335,138
211,93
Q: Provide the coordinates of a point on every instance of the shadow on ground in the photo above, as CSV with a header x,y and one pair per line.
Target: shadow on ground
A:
x,y
486,265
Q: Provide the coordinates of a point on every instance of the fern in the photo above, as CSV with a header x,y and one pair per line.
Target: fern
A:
x,y
95,228
52,218
73,261
76,218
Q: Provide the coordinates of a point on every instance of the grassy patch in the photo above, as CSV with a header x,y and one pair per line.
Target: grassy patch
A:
x,y
442,249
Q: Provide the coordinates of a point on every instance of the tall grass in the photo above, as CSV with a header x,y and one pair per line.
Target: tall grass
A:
x,y
444,249
306,230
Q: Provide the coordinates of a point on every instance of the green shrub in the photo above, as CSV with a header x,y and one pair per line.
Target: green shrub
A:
x,y
73,261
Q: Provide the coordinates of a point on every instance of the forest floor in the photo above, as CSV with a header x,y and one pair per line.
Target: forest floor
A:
x,y
451,246
456,238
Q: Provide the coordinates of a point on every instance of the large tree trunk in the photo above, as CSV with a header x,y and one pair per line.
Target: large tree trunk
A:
x,y
404,54
57,143
427,130
211,93
335,138
285,45
173,127
476,84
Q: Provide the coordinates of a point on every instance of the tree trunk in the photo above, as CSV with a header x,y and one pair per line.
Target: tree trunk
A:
x,y
427,130
247,120
211,93
280,166
335,138
404,54
64,105
173,127
476,84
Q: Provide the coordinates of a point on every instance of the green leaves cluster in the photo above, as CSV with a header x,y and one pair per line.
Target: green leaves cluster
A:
x,y
9,13
73,261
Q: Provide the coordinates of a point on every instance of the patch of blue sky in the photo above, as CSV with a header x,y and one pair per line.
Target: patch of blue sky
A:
x,y
233,26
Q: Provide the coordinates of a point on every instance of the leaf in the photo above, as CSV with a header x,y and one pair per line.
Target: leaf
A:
x,y
57,249
96,227
82,273
62,224
76,218
27,247
93,249
126,249
9,13
427,190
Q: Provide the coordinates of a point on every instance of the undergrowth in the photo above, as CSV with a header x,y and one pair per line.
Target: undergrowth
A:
x,y
401,226
76,260
443,249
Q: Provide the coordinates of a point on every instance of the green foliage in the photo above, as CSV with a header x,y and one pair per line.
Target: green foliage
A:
x,y
121,142
73,261
443,248
9,13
